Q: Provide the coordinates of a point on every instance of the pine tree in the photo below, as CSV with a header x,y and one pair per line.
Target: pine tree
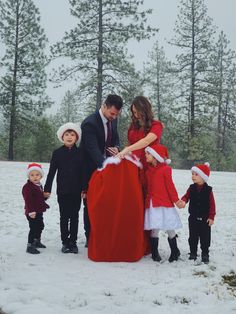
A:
x,y
24,81
71,109
96,46
159,81
222,79
194,35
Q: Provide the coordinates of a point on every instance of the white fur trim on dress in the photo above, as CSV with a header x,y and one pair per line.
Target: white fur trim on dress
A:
x,y
69,126
200,173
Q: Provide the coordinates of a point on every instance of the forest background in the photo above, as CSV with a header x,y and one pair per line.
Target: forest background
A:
x,y
193,93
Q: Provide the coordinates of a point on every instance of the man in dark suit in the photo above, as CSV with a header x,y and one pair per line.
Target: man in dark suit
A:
x,y
100,139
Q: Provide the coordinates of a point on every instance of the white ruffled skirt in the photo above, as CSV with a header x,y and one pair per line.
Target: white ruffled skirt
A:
x,y
163,218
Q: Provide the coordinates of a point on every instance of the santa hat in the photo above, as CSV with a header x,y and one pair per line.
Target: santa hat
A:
x,y
69,126
160,152
34,166
203,170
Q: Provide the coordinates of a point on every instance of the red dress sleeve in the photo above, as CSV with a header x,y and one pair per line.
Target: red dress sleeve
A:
x,y
157,129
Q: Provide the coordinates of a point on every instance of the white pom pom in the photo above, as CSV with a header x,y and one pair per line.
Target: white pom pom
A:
x,y
168,161
207,164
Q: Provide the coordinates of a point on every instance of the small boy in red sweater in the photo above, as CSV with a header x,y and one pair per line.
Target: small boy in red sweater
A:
x,y
201,211
34,207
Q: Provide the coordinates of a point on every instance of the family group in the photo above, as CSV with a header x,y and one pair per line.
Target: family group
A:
x,y
128,195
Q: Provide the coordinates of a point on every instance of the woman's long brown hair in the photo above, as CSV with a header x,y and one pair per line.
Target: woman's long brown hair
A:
x,y
144,108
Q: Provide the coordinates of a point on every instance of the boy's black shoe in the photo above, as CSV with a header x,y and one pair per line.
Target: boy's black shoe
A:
x,y
74,248
38,244
65,248
31,249
205,258
192,256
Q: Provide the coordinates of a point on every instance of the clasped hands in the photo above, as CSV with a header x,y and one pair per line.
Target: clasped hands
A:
x,y
180,204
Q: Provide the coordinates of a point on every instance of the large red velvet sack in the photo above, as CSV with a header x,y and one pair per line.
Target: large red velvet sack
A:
x,y
116,213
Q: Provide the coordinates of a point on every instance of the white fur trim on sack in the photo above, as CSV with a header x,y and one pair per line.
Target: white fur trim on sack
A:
x,y
115,160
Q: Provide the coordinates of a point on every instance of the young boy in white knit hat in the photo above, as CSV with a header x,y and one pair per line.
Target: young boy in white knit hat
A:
x,y
34,207
201,211
67,162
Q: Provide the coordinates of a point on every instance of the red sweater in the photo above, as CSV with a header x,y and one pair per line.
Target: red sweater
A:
x,y
160,186
34,199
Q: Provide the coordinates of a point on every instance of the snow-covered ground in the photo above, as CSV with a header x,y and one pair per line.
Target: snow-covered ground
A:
x,y
56,283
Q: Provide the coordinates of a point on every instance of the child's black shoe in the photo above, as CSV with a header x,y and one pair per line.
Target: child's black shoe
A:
x,y
65,248
192,256
31,249
39,244
205,258
74,248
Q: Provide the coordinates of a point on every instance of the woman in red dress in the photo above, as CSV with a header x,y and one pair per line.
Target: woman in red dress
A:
x,y
144,130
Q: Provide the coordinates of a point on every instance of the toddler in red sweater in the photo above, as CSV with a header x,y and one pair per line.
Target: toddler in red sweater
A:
x,y
34,207
160,213
201,211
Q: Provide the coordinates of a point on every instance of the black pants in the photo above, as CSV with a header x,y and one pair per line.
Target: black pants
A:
x,y
69,206
36,226
86,219
199,229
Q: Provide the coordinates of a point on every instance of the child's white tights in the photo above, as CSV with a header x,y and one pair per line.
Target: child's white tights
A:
x,y
155,233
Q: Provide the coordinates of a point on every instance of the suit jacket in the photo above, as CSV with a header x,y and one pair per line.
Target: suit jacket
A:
x,y
33,197
93,143
69,165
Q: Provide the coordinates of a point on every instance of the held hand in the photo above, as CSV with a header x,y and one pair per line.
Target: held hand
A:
x,y
210,222
112,150
32,215
183,204
46,194
180,204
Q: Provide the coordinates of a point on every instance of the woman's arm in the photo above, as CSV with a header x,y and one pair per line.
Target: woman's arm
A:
x,y
144,142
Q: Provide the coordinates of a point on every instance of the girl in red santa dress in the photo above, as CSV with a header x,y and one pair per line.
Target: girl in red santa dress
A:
x,y
160,213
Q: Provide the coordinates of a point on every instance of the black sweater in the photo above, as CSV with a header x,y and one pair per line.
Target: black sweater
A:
x,y
68,163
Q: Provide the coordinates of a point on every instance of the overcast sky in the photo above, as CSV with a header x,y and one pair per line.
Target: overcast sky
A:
x,y
56,19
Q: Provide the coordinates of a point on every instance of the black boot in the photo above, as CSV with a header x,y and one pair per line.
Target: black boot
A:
x,y
192,256
154,249
38,244
31,249
175,253
205,258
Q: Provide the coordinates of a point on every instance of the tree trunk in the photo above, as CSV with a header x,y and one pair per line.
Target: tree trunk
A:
x,y
192,87
13,91
219,122
99,58
158,89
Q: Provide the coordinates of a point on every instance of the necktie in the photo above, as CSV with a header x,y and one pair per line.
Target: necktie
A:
x,y
109,136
